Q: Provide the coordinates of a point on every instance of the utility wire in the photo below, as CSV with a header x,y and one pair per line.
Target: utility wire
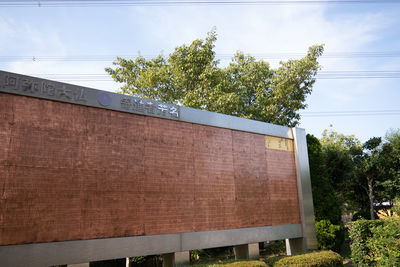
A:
x,y
81,3
222,56
332,75
349,113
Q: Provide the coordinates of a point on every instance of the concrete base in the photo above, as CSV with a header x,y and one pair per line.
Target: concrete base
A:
x,y
86,264
254,251
247,252
176,259
295,246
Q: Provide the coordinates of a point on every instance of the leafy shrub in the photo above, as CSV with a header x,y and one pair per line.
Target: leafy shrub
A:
x,y
384,246
138,259
195,254
329,236
325,258
375,242
359,233
144,261
274,247
220,253
363,214
396,206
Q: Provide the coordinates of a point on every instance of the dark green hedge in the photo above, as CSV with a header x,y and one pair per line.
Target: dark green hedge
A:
x,y
375,242
315,259
329,236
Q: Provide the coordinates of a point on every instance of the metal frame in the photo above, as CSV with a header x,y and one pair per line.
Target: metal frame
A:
x,y
70,252
42,254
304,189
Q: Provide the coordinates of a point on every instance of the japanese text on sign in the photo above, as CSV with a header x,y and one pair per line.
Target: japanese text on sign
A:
x,y
43,88
149,107
278,143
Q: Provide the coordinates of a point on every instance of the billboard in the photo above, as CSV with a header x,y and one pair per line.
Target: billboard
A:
x,y
102,175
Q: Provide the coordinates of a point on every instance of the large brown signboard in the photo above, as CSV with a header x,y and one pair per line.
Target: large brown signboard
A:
x,y
82,164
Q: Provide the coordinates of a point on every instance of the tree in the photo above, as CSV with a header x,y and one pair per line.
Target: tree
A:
x,y
389,168
379,170
326,205
247,88
341,154
363,175
370,170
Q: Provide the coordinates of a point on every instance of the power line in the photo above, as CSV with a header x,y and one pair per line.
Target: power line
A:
x,y
223,56
332,75
86,3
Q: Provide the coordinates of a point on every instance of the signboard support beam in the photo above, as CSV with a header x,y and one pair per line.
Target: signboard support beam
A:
x,y
294,246
176,259
247,252
304,190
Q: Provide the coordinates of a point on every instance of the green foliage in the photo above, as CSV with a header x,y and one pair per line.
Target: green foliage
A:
x,y
315,259
362,214
341,154
359,233
341,141
195,254
384,246
211,254
375,242
327,207
396,206
143,261
246,88
390,167
138,259
233,263
275,247
362,175
326,204
328,235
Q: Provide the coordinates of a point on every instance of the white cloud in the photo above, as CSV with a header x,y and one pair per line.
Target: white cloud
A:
x,y
263,29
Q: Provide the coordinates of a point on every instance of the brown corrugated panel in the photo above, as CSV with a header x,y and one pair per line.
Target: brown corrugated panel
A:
x,y
71,172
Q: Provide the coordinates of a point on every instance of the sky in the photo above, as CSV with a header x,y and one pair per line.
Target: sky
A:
x,y
356,92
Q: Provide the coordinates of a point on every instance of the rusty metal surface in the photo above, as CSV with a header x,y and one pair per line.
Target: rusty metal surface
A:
x,y
71,172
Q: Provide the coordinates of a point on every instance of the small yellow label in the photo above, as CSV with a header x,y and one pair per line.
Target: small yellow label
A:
x,y
278,143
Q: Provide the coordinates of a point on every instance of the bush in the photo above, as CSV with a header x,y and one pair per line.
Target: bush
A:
x,y
315,259
329,236
384,246
375,242
359,233
274,247
220,253
144,261
396,206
